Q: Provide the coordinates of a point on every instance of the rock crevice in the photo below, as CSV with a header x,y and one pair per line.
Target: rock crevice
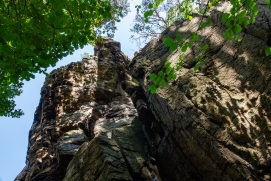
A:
x,y
96,119
85,118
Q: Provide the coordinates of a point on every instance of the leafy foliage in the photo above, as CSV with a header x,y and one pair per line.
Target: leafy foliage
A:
x,y
268,51
242,13
35,34
7,104
161,79
150,20
148,23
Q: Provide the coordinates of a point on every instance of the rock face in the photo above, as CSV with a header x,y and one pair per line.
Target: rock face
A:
x,y
217,121
86,119
94,122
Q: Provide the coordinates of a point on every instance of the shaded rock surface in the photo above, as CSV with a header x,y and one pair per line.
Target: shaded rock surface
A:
x,y
86,127
216,121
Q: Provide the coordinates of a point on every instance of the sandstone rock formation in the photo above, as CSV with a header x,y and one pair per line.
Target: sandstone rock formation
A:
x,y
94,122
85,120
216,121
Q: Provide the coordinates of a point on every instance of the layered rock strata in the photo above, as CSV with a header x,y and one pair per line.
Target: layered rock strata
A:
x,y
216,121
86,127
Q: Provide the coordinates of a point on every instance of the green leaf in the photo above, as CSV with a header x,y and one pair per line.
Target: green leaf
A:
x,y
169,78
239,38
248,3
150,6
241,21
241,15
195,37
236,28
146,14
246,23
178,67
168,41
180,63
173,46
32,76
190,18
233,2
167,64
184,48
169,70
153,91
153,76
178,37
196,67
157,81
205,47
161,73
252,20
255,11
202,62
228,33
268,51
204,24
174,76
189,44
150,87
224,17
163,83
231,21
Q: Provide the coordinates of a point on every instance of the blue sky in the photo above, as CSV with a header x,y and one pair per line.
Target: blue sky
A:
x,y
14,132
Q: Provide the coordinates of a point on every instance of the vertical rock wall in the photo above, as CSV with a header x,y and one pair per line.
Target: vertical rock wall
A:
x,y
216,121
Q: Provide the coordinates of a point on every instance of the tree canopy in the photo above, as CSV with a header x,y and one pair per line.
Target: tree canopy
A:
x,y
35,34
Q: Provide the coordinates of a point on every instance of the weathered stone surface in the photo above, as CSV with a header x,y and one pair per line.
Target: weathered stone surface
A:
x,y
100,159
216,121
82,115
116,156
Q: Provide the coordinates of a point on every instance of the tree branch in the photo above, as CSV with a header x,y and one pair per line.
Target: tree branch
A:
x,y
162,19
